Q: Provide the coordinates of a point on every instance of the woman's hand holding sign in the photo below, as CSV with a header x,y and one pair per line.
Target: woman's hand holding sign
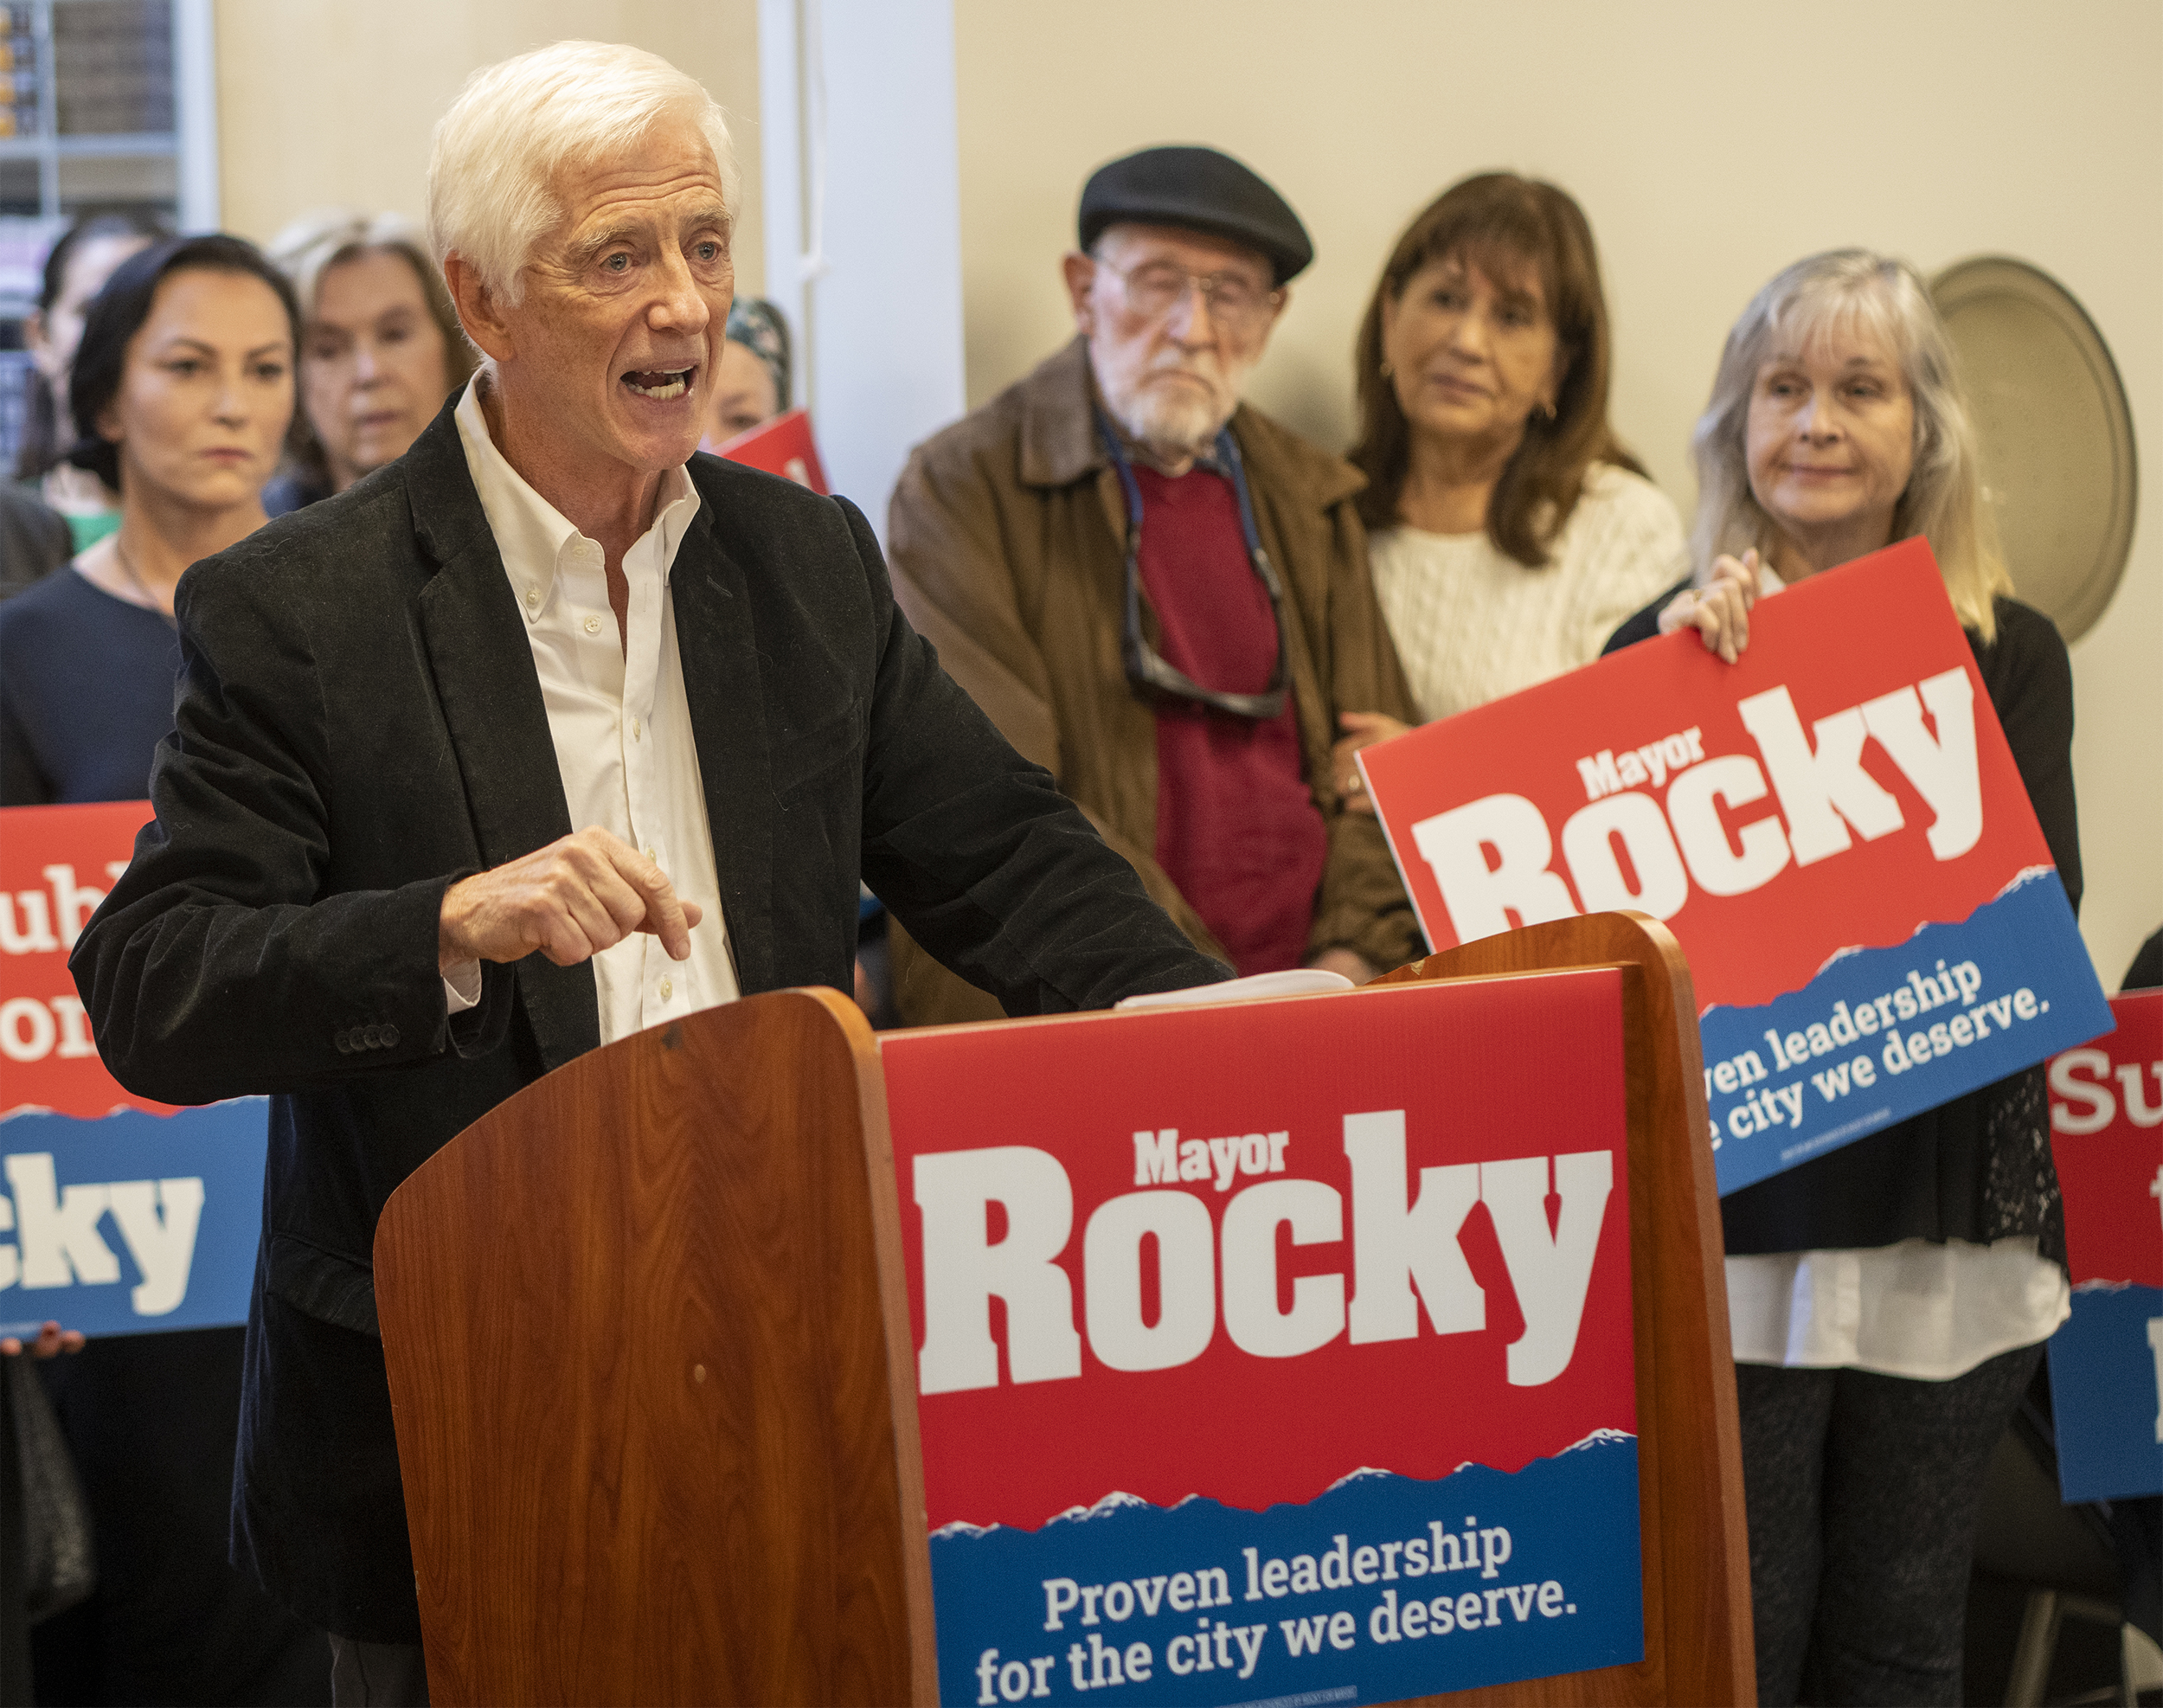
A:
x,y
1721,611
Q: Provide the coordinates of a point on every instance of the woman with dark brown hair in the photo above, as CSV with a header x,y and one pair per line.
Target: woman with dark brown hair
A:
x,y
1510,529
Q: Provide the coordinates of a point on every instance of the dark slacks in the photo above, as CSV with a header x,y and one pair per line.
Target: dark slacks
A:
x,y
1862,1491
377,1675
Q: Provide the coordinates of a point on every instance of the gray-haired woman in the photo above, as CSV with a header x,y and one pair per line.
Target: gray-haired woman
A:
x,y
381,350
1887,1301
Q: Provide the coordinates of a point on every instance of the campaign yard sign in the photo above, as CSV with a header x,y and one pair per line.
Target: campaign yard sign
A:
x,y
2107,1359
1833,828
117,1215
1275,1350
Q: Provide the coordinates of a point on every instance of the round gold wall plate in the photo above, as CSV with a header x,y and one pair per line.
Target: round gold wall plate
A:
x,y
2055,434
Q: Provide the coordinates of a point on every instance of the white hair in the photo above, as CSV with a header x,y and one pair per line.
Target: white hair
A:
x,y
1943,501
515,127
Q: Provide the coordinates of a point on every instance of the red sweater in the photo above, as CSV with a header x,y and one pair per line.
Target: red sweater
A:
x,y
1237,825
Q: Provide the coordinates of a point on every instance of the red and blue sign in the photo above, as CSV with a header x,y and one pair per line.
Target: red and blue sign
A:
x,y
1275,1349
117,1215
1832,827
2107,1358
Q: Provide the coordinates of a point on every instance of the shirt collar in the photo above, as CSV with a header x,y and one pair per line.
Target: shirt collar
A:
x,y
533,537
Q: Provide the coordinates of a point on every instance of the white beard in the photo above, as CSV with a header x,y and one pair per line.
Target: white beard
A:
x,y
1178,422
1174,421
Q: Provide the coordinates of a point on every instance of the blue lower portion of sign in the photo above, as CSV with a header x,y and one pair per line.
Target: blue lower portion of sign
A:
x,y
131,1223
1335,1600
1880,1035
2103,1393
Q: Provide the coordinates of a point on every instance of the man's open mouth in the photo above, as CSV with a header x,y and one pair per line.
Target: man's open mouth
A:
x,y
659,383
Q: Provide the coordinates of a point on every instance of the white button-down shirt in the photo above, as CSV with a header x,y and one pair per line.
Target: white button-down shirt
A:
x,y
619,720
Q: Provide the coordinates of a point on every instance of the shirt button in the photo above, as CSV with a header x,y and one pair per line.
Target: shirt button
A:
x,y
634,728
533,596
593,625
668,990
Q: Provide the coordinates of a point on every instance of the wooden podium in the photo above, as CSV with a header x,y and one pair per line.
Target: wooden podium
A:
x,y
654,1379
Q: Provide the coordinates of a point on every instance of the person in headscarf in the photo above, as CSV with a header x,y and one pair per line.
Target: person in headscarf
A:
x,y
751,384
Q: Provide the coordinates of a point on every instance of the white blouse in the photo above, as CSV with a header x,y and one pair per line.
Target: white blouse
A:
x,y
1472,625
1926,1311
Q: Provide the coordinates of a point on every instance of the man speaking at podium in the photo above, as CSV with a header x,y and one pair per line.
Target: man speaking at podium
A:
x,y
546,733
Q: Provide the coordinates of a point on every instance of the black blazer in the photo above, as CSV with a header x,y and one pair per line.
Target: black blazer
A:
x,y
358,725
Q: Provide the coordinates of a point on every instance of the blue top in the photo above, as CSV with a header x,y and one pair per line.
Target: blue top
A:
x,y
85,693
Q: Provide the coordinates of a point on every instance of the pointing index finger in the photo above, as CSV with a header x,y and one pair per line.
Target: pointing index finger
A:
x,y
666,916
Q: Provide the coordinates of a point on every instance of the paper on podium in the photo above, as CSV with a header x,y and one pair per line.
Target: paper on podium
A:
x,y
1291,981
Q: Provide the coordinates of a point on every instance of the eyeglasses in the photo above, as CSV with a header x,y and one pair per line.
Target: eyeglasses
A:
x,y
1155,676
1156,288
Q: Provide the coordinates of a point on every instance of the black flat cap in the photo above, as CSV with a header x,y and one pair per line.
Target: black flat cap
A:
x,y
1202,190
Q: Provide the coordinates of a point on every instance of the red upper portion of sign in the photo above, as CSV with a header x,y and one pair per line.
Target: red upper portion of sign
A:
x,y
56,862
1839,640
1484,1071
2111,1175
783,446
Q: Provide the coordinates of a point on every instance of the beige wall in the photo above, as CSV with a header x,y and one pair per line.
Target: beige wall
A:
x,y
1710,144
326,101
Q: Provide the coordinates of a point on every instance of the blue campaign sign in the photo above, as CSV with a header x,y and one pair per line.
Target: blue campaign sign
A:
x,y
130,1222
2106,1363
1369,1593
1879,1034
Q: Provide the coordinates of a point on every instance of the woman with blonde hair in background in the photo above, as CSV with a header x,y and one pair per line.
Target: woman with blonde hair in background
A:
x,y
380,350
1510,530
1887,1301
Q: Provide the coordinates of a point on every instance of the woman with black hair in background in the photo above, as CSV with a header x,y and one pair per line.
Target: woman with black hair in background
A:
x,y
76,268
183,383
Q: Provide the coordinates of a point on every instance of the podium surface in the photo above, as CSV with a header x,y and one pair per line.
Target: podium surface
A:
x,y
657,1435
655,1380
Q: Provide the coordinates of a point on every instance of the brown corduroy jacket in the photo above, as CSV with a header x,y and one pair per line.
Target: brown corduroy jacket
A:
x,y
1007,538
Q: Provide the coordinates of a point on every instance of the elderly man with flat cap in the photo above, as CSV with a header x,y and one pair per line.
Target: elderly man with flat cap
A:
x,y
1159,593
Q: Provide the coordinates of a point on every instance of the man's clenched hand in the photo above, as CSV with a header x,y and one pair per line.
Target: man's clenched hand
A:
x,y
570,901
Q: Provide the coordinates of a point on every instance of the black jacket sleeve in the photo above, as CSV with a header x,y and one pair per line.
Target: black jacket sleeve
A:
x,y
218,966
2030,679
1645,624
979,856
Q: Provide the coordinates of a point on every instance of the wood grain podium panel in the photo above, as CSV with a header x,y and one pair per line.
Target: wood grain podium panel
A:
x,y
1697,1634
654,1387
